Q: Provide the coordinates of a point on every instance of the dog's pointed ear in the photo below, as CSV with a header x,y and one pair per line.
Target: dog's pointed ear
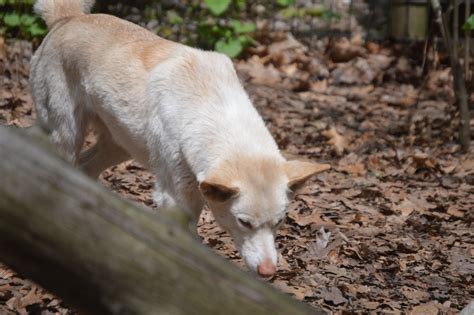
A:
x,y
216,192
298,172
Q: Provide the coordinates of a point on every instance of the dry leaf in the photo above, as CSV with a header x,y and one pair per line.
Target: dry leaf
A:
x,y
357,169
454,211
415,295
313,218
406,207
299,292
333,295
425,309
31,298
5,274
343,50
336,140
323,238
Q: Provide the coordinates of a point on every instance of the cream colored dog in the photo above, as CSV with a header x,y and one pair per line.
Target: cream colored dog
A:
x,y
179,111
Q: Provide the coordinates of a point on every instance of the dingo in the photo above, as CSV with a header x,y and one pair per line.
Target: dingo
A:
x,y
179,111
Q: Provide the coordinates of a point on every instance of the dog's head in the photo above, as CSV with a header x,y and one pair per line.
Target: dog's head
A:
x,y
249,199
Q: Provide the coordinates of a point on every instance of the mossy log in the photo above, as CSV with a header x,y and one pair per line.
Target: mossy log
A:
x,y
106,255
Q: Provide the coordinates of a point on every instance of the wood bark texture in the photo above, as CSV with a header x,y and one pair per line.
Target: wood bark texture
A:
x,y
105,255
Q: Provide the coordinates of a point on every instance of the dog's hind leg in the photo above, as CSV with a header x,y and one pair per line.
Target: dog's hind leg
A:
x,y
103,154
59,112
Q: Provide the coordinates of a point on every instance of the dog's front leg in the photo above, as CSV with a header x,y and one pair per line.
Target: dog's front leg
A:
x,y
183,211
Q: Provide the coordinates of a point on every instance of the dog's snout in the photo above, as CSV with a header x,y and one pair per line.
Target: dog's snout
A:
x,y
266,268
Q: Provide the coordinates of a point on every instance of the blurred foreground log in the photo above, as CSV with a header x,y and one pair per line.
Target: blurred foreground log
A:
x,y
105,255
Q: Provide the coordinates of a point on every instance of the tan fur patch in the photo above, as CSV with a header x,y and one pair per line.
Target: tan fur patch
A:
x,y
298,172
246,170
206,78
259,176
154,53
149,48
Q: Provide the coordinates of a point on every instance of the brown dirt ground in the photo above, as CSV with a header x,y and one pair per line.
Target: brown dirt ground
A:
x,y
387,229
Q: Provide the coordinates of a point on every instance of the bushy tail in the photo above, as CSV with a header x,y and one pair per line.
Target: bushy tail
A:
x,y
54,10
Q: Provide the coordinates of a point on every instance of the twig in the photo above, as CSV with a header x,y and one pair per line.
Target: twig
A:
x,y
456,29
425,51
414,108
467,43
459,84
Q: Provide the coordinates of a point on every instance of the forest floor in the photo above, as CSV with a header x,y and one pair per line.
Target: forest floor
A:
x,y
388,229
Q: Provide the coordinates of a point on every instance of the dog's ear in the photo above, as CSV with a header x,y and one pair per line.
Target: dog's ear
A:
x,y
216,192
298,172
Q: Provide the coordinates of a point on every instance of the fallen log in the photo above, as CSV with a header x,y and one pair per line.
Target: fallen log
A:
x,y
105,255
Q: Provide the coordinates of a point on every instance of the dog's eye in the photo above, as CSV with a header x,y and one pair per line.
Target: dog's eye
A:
x,y
245,223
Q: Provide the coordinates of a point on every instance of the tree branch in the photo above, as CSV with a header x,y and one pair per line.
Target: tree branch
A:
x,y
459,84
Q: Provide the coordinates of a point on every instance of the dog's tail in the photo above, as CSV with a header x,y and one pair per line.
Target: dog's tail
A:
x,y
53,10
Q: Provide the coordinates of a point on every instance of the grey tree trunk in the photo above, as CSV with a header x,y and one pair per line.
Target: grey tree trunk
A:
x,y
105,255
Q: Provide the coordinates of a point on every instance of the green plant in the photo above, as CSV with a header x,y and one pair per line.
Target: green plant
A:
x,y
24,25
16,2
217,7
17,19
173,17
469,25
316,11
228,36
285,3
